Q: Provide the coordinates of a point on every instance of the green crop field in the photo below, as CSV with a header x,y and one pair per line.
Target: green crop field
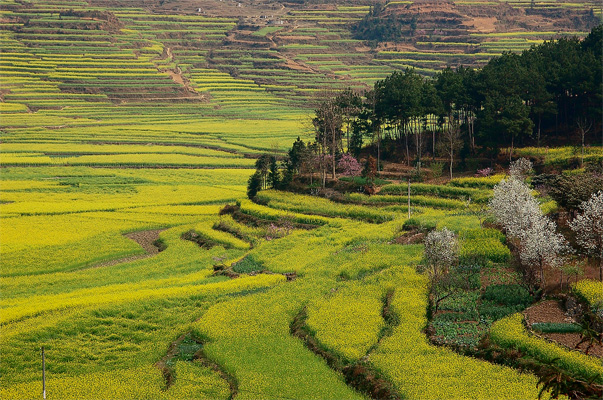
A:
x,y
123,123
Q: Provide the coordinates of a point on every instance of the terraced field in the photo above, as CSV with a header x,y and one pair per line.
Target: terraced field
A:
x,y
127,127
105,326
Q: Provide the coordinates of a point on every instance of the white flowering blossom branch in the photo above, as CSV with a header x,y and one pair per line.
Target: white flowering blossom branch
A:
x,y
588,228
538,242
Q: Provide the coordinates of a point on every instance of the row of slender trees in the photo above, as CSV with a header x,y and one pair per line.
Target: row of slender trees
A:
x,y
550,94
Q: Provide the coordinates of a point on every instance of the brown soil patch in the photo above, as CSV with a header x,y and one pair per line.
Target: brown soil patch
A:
x,y
294,65
296,38
553,278
362,49
145,239
483,24
413,237
176,77
550,311
546,311
571,340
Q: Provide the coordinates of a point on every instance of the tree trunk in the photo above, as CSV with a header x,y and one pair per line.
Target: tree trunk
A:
x,y
333,163
451,158
433,145
511,151
348,137
539,120
379,149
543,283
407,151
601,265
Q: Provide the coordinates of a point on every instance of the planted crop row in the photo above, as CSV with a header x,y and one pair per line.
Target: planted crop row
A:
x,y
320,206
511,333
454,192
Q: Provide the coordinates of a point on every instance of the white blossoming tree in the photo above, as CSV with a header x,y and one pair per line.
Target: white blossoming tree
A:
x,y
520,168
541,245
441,250
588,228
535,236
441,254
513,206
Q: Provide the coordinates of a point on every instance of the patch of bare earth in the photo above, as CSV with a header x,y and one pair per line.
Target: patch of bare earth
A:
x,y
546,311
483,24
412,237
556,282
145,239
550,311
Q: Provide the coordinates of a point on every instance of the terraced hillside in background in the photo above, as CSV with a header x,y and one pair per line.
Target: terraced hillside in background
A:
x,y
224,54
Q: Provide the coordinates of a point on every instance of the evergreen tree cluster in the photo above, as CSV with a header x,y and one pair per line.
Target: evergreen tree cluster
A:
x,y
552,93
549,94
382,27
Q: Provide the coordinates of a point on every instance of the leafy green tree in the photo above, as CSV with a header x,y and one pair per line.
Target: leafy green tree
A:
x,y
262,165
254,184
274,176
350,105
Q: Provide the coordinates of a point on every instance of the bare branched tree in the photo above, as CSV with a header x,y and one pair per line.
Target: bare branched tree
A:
x,y
451,141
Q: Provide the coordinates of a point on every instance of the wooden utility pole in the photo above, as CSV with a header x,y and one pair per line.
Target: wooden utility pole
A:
x,y
43,374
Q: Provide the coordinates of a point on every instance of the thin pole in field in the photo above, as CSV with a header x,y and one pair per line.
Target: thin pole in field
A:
x,y
408,198
43,374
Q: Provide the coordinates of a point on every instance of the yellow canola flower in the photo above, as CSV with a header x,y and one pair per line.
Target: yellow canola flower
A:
x,y
591,290
510,332
407,359
191,381
349,321
14,310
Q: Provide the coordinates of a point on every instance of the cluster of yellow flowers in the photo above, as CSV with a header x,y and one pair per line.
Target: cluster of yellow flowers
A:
x,y
17,309
251,208
192,381
139,383
320,206
510,332
481,182
349,321
592,291
138,159
227,240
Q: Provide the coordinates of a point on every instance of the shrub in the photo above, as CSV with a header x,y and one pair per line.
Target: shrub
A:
x,y
246,265
494,311
484,173
520,168
437,168
509,295
415,223
556,327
